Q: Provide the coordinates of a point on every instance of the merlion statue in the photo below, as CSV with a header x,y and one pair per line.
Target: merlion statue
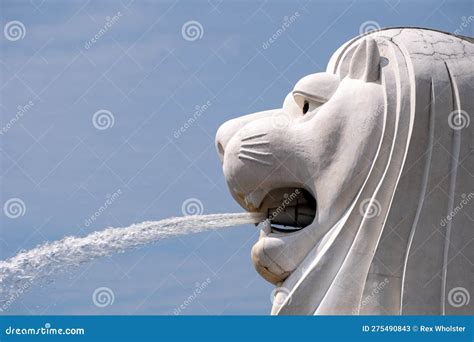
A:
x,y
366,175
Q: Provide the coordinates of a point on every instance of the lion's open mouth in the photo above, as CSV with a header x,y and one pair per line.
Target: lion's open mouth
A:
x,y
289,209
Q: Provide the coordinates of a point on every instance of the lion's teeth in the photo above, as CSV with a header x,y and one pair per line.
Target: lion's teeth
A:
x,y
266,228
255,198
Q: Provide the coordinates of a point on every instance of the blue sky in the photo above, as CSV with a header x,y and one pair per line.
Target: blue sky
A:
x,y
151,79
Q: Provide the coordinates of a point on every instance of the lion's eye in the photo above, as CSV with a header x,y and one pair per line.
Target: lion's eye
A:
x,y
305,107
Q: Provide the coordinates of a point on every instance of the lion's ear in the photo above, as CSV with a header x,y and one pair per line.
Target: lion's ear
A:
x,y
365,63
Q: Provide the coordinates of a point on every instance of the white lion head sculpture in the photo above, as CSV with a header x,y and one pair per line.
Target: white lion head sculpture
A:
x,y
361,173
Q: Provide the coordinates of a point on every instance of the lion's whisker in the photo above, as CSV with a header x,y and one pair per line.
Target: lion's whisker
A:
x,y
261,153
250,137
257,143
243,156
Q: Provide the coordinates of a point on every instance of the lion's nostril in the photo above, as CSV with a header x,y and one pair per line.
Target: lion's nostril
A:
x,y
220,149
221,138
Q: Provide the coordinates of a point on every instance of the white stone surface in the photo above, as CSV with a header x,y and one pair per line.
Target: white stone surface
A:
x,y
377,150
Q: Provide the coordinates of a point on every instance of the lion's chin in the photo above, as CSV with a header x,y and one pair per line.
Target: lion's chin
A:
x,y
271,270
276,255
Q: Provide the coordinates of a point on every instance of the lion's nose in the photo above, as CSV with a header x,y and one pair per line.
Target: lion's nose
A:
x,y
225,132
230,128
